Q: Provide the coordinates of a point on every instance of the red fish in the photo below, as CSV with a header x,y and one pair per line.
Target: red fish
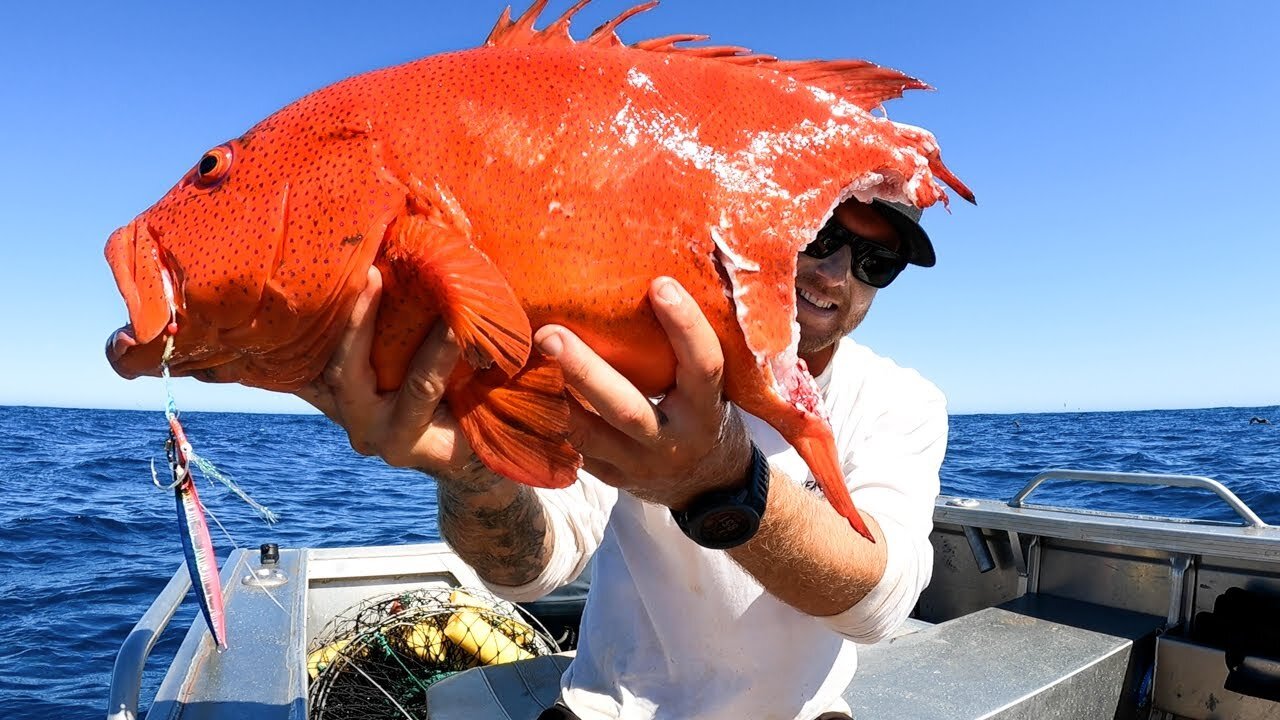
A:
x,y
533,180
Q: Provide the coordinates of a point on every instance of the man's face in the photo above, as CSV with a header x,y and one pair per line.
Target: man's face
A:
x,y
830,301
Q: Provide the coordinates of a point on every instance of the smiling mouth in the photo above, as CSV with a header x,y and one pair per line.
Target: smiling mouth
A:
x,y
814,300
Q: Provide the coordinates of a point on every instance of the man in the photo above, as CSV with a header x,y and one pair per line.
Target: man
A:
x,y
675,627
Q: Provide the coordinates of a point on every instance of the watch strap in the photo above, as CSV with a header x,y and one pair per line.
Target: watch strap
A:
x,y
722,519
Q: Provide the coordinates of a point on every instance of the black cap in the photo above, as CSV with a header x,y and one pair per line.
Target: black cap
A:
x,y
906,220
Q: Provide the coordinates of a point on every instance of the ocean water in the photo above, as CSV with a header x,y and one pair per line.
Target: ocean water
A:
x,y
86,540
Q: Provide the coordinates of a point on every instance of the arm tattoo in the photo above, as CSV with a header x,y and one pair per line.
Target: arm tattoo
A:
x,y
496,526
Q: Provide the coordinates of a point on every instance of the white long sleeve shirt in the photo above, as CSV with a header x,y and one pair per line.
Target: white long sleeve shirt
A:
x,y
674,631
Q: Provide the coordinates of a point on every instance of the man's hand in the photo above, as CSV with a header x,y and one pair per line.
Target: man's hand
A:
x,y
495,525
407,428
690,442
694,441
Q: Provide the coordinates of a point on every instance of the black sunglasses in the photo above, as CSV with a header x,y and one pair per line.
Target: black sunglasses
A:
x,y
873,263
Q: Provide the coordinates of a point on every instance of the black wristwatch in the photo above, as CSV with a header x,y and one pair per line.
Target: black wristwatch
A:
x,y
722,519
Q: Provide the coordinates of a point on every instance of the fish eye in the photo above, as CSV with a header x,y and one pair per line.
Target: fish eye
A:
x,y
213,167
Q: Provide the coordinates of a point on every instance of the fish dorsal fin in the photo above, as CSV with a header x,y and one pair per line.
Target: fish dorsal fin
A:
x,y
862,83
521,32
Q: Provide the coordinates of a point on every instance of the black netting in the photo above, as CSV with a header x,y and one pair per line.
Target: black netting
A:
x,y
377,659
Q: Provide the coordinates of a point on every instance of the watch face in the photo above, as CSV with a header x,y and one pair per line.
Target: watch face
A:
x,y
728,527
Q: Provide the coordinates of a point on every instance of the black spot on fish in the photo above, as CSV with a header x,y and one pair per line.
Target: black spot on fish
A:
x,y
352,239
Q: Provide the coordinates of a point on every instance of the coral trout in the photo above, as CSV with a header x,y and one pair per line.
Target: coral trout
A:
x,y
536,179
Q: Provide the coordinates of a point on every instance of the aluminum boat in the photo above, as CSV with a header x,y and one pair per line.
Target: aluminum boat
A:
x,y
1034,611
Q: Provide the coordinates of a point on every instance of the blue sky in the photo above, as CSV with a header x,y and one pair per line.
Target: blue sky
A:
x,y
1123,254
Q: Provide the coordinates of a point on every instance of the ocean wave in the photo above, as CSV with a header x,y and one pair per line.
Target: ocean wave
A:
x,y
87,541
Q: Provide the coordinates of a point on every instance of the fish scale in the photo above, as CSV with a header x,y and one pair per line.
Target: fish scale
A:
x,y
533,180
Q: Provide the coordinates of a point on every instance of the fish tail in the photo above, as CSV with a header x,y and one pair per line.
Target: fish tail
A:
x,y
818,449
518,426
202,563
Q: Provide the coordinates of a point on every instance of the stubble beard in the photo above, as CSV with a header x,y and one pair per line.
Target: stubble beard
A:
x,y
811,343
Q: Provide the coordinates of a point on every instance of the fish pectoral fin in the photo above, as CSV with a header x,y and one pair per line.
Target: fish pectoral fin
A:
x,y
518,426
431,248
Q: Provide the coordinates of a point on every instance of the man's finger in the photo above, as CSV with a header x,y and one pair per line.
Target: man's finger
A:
x,y
349,367
596,439
350,374
605,389
699,358
425,382
604,472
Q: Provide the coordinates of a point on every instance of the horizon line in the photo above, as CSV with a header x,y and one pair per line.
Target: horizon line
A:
x,y
949,414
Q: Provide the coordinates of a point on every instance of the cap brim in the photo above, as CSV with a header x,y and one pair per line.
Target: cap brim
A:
x,y
916,245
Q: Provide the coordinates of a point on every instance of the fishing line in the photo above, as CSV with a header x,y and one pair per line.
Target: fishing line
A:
x,y
208,470
221,527
244,560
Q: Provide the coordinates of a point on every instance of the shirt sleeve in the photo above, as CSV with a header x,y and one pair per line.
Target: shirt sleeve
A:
x,y
576,518
891,467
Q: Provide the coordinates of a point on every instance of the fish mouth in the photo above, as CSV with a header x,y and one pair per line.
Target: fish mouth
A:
x,y
119,342
126,354
145,282
130,358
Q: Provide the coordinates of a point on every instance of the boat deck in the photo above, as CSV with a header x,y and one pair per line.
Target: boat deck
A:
x,y
1033,612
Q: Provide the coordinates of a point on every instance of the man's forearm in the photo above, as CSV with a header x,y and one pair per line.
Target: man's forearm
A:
x,y
806,555
496,526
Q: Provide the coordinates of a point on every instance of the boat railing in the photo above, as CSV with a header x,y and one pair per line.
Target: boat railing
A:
x,y
126,676
1198,482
